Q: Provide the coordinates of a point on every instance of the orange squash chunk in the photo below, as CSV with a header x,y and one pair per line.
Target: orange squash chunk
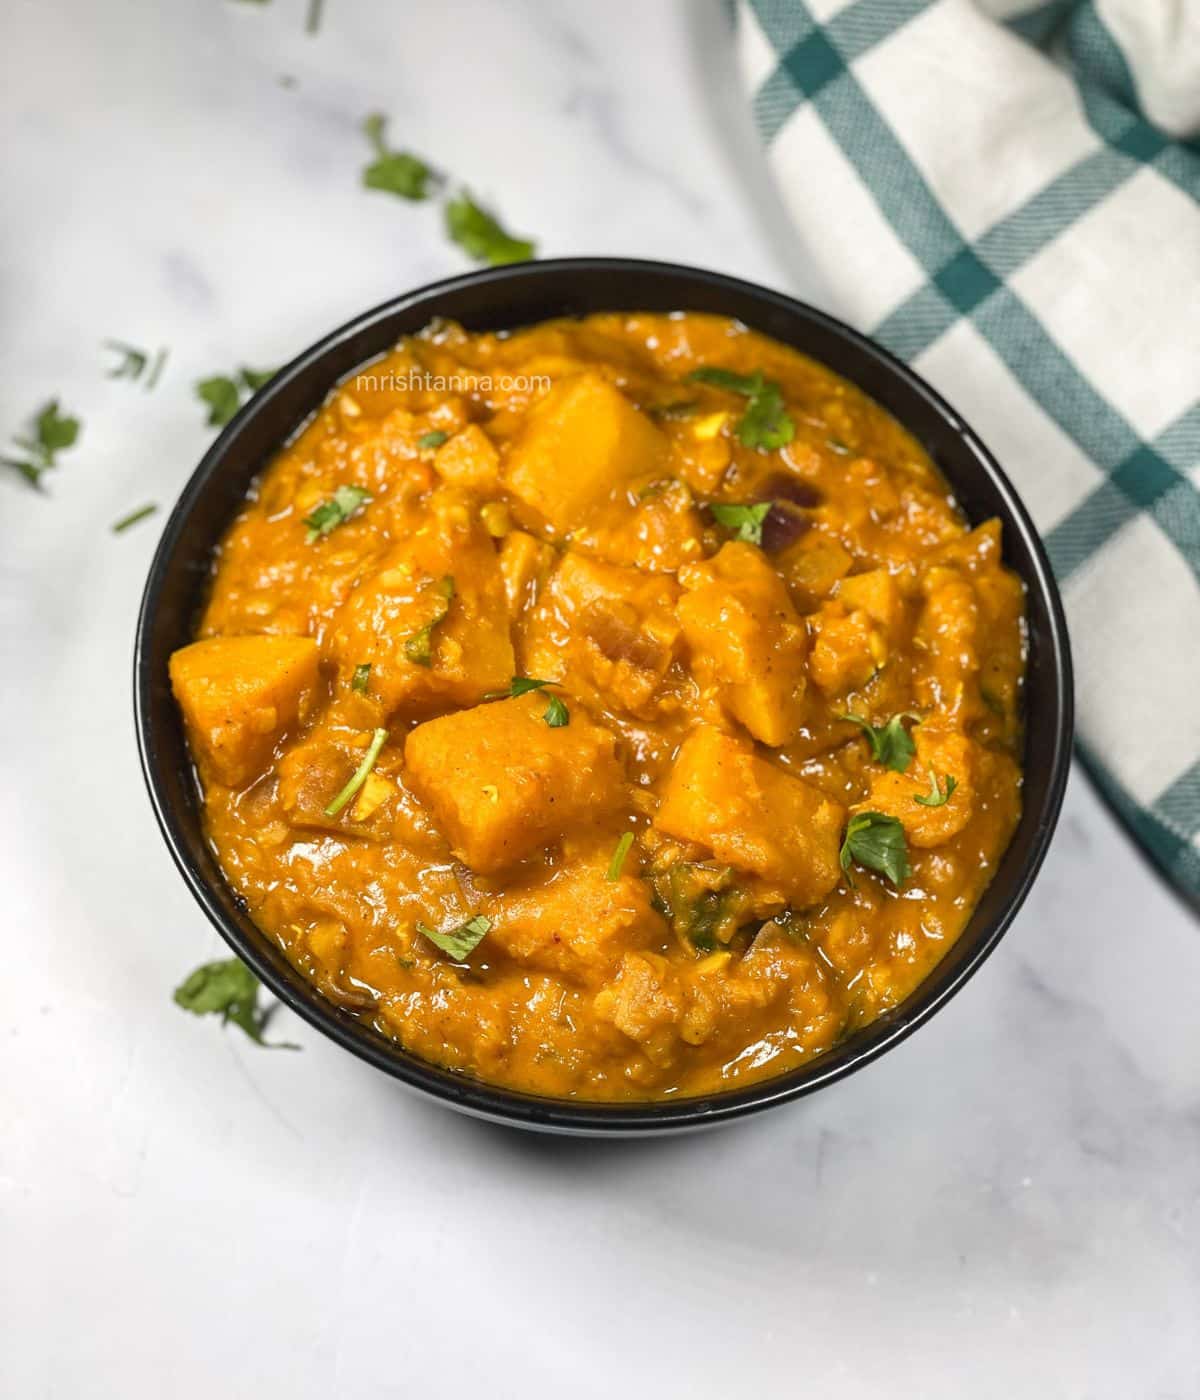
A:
x,y
501,783
753,816
581,443
238,695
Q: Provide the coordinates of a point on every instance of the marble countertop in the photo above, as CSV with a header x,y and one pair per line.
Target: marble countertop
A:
x,y
1007,1203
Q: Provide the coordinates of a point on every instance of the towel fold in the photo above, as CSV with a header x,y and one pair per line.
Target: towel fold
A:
x,y
1008,197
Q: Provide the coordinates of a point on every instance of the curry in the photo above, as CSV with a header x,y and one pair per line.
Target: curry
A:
x,y
610,709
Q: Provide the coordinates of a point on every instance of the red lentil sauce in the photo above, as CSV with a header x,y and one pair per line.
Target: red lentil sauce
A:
x,y
667,902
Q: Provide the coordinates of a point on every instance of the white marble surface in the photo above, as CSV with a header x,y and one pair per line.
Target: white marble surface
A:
x,y
1006,1204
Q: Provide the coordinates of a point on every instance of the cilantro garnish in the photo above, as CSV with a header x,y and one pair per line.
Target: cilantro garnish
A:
x,y
745,521
937,796
228,989
428,441
480,236
135,363
223,394
344,502
53,432
133,517
891,744
876,841
459,942
254,379
765,424
419,647
361,678
396,172
360,774
556,713
617,863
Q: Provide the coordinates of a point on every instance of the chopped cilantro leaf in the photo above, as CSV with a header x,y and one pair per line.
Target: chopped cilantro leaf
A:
x,y
361,678
765,425
53,432
891,744
745,521
480,236
745,384
395,172
133,517
136,364
220,394
132,363
617,863
459,942
937,796
519,685
223,393
557,715
228,989
876,841
344,502
254,379
428,441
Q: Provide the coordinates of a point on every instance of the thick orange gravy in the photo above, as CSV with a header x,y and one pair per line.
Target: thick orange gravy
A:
x,y
775,768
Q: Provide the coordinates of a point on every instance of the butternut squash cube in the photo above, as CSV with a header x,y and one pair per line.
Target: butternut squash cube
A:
x,y
580,444
877,593
621,636
432,620
753,816
747,641
576,922
238,695
524,562
469,459
501,782
848,648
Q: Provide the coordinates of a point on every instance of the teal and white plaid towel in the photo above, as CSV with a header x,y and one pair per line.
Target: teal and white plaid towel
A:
x,y
1008,197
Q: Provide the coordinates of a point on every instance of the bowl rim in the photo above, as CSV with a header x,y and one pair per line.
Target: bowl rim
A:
x,y
634,1117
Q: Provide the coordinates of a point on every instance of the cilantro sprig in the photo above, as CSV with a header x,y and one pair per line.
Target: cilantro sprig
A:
x,y
230,990
937,795
360,775
766,424
222,393
343,504
479,234
458,942
876,841
395,172
556,713
53,432
891,744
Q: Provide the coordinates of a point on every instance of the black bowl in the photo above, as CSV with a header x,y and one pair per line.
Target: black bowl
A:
x,y
515,296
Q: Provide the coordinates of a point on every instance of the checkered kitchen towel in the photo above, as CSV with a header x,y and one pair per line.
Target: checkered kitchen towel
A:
x,y
1009,198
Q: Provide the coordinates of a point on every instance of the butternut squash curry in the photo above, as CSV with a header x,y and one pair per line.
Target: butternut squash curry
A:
x,y
614,709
